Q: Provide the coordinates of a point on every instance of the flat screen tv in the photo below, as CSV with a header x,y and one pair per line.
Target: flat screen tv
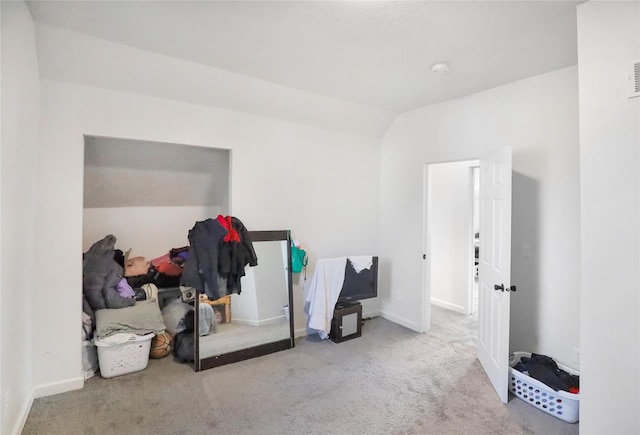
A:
x,y
359,285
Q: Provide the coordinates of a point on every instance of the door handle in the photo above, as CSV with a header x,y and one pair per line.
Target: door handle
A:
x,y
501,287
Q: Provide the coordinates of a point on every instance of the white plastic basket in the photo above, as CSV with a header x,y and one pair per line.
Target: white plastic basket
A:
x,y
560,404
119,358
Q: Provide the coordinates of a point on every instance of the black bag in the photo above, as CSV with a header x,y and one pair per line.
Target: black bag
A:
x,y
184,341
141,295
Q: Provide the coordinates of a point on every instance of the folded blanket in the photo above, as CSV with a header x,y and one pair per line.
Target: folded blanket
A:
x,y
142,318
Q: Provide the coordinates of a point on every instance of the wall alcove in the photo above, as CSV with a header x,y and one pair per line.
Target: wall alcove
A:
x,y
149,194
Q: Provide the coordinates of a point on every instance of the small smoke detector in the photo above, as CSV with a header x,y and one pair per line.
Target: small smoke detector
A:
x,y
440,68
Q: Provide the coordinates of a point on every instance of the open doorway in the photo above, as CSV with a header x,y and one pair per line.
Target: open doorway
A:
x,y
453,245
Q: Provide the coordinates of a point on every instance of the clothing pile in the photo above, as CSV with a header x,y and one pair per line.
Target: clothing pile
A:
x,y
545,370
213,264
163,271
219,251
103,283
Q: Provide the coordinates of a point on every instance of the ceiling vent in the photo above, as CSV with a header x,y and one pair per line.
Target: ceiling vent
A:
x,y
634,80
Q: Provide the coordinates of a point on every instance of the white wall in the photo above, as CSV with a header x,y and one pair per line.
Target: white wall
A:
x,y
269,277
149,194
609,42
73,57
538,117
264,289
449,209
148,231
20,92
128,173
284,176
244,309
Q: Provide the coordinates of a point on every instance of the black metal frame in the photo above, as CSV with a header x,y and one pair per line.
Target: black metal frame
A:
x,y
263,349
241,355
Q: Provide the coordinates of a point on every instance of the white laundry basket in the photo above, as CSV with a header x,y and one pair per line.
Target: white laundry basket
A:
x,y
560,404
123,353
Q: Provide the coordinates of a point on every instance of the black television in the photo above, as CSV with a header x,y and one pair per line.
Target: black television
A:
x,y
358,285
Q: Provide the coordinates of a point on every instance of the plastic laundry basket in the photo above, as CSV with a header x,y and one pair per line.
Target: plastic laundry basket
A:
x,y
119,358
560,404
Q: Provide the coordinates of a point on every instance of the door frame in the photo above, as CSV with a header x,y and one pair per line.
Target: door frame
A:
x,y
497,315
472,185
425,319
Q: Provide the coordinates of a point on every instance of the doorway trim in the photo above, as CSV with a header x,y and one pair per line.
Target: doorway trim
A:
x,y
473,184
428,253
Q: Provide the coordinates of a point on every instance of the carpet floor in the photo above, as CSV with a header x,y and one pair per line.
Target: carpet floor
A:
x,y
389,381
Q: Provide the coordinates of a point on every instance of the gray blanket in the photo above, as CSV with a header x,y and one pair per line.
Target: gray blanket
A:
x,y
142,318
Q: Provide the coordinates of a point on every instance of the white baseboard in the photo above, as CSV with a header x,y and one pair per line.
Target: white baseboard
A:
x,y
262,322
43,391
449,306
58,387
400,321
24,413
369,314
300,332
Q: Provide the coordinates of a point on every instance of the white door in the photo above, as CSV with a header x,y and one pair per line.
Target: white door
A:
x,y
495,268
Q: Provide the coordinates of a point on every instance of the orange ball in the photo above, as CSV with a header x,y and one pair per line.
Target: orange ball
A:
x,y
160,345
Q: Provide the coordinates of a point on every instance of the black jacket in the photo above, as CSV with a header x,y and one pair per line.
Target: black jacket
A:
x,y
200,270
235,256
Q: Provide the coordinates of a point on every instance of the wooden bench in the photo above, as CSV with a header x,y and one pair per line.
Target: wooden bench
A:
x,y
225,300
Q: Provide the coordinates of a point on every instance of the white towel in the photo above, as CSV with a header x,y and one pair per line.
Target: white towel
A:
x,y
323,292
361,262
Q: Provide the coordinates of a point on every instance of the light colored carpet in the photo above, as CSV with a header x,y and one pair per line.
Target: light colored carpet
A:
x,y
454,327
389,381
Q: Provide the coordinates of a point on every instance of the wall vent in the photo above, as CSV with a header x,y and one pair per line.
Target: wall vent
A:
x,y
634,80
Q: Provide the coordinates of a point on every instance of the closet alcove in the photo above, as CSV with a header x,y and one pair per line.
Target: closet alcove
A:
x,y
149,195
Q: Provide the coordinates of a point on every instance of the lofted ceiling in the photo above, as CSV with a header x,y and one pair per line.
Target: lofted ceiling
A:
x,y
374,53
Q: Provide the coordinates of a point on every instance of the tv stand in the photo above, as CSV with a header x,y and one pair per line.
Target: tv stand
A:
x,y
347,322
346,304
